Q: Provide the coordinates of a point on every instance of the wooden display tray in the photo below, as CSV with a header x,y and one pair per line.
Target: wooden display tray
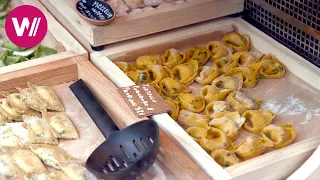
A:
x,y
57,37
140,24
171,161
277,164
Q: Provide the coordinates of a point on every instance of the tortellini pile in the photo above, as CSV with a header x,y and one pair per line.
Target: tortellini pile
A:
x,y
203,88
31,122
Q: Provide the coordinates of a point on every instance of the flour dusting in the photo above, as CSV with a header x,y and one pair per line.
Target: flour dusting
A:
x,y
291,106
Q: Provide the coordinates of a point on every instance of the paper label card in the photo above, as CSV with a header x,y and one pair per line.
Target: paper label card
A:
x,y
144,100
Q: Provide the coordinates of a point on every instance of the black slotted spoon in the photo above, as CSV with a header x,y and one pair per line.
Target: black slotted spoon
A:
x,y
125,154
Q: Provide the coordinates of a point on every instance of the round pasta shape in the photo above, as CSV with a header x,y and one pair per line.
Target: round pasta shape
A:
x,y
190,119
240,102
236,41
207,74
172,88
125,66
139,76
217,50
270,67
234,116
256,120
197,133
17,103
143,62
215,139
187,72
172,57
216,107
226,63
234,82
281,135
158,72
247,58
200,54
250,77
175,109
251,147
227,125
224,157
212,93
7,110
191,102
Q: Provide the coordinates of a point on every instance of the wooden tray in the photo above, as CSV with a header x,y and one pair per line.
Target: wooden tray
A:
x,y
140,24
277,164
57,37
171,162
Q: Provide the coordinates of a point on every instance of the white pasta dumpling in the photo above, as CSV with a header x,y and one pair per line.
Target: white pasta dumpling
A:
x,y
17,103
7,110
9,170
227,125
28,162
60,125
50,155
216,107
241,103
152,2
133,4
78,172
187,72
8,139
4,119
30,98
234,82
48,97
190,119
21,132
39,131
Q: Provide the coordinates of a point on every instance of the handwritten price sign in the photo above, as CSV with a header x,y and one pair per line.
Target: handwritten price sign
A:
x,y
144,100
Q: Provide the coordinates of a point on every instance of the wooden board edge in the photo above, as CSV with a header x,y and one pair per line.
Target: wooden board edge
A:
x,y
58,31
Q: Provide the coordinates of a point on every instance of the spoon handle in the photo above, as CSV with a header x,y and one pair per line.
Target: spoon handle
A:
x,y
95,110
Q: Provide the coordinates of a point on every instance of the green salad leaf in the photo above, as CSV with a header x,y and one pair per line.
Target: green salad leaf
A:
x,y
3,4
43,51
4,17
9,45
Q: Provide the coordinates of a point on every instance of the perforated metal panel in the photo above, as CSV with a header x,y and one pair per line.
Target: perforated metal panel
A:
x,y
294,23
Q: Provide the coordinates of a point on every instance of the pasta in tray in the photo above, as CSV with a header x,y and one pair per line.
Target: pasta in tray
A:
x,y
175,109
28,162
191,119
227,125
212,93
224,157
139,76
191,102
187,72
143,62
236,41
247,58
281,135
250,76
125,66
256,120
270,67
207,74
30,98
226,63
217,50
158,72
172,57
17,103
197,133
7,110
240,102
9,170
172,88
234,82
215,139
200,54
216,107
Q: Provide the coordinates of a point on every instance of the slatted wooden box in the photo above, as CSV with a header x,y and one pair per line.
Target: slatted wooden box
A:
x,y
57,37
277,164
140,24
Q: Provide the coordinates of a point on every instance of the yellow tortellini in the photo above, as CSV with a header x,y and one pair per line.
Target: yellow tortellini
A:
x,y
215,139
256,120
158,72
281,135
216,107
175,109
224,157
200,54
236,41
226,63
156,87
251,147
212,93
190,119
172,88
125,66
234,116
234,82
7,110
250,76
217,50
270,67
173,57
139,76
241,103
143,62
207,74
191,102
247,58
187,72
227,125
197,133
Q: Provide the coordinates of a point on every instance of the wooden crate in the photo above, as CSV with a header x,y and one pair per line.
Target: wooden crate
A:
x,y
277,164
57,37
171,161
140,24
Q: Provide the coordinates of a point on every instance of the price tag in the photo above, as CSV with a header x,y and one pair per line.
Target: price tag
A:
x,y
95,9
144,100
